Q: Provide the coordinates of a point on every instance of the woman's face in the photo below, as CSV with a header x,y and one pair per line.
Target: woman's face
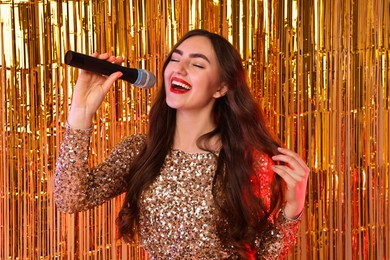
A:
x,y
192,76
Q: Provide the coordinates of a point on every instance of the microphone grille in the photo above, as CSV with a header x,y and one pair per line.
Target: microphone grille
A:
x,y
146,79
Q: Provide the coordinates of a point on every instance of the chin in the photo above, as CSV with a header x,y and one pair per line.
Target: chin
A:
x,y
171,104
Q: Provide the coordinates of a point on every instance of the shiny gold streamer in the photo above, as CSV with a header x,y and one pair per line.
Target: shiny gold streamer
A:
x,y
319,68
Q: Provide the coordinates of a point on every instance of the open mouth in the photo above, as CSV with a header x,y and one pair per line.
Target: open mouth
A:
x,y
180,85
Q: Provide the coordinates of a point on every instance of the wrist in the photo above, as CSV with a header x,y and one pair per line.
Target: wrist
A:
x,y
78,119
295,218
292,210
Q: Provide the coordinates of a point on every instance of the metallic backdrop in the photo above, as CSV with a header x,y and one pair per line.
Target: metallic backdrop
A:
x,y
320,69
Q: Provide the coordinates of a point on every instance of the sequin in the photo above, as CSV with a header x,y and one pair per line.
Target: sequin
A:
x,y
177,212
79,188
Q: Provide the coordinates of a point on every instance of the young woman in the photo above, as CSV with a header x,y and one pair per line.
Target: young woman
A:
x,y
201,184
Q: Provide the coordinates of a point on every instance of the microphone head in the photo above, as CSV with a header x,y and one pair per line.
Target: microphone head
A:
x,y
145,79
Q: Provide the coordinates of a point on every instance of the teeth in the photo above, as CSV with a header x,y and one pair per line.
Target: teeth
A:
x,y
180,84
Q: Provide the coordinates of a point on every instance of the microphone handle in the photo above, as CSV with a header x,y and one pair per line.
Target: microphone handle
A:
x,y
96,65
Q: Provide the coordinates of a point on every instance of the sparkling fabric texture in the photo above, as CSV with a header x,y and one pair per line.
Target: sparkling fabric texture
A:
x,y
77,187
177,212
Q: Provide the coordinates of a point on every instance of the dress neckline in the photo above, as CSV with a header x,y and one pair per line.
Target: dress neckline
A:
x,y
204,153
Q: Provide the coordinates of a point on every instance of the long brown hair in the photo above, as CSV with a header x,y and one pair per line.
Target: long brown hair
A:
x,y
242,129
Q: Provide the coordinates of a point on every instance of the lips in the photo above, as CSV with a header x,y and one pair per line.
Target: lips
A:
x,y
179,86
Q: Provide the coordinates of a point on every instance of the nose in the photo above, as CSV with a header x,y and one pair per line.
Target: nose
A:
x,y
180,68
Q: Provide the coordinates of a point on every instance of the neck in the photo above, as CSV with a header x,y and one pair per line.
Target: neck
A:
x,y
189,127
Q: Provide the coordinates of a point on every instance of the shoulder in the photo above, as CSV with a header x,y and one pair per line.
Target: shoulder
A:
x,y
134,138
262,163
133,142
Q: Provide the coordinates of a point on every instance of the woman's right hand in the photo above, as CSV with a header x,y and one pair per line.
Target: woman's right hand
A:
x,y
89,93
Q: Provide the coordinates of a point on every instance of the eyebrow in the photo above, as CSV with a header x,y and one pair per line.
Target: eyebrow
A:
x,y
192,55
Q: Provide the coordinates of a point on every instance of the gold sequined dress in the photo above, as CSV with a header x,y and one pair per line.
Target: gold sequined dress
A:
x,y
177,212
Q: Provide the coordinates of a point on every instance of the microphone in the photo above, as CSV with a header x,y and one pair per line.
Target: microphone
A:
x,y
138,77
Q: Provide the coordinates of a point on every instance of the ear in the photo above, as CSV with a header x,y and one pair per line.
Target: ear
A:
x,y
221,91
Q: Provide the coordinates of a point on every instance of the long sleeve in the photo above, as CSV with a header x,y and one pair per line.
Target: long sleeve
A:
x,y
281,234
277,240
78,187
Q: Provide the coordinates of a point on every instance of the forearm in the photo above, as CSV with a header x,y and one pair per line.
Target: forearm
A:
x,y
72,171
78,187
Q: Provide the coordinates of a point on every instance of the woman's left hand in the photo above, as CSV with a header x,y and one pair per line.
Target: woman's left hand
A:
x,y
295,173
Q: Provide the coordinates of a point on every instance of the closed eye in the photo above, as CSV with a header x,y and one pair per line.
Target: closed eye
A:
x,y
198,66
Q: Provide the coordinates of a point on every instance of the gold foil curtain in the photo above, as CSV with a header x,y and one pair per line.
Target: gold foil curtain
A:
x,y
320,69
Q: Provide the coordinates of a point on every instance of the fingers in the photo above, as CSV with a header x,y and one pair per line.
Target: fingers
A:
x,y
103,56
295,174
290,156
287,174
292,159
110,81
294,170
106,56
